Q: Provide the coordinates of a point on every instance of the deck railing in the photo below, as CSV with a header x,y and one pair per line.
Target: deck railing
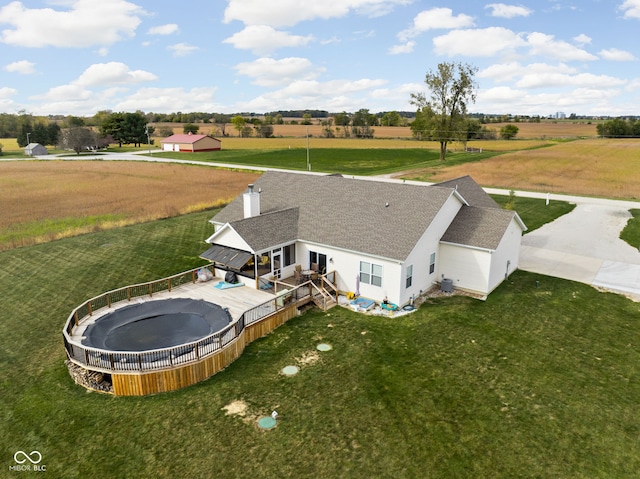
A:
x,y
109,361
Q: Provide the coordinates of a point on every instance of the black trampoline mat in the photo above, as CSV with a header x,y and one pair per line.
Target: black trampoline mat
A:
x,y
156,325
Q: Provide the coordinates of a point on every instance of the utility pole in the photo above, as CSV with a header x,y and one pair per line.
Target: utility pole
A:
x,y
308,164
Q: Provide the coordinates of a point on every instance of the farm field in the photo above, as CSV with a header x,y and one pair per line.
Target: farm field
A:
x,y
597,167
537,381
45,200
544,130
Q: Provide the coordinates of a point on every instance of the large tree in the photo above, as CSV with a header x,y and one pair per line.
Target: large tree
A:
x,y
126,128
78,139
443,111
239,123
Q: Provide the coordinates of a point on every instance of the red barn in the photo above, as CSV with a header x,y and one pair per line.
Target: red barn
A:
x,y
190,143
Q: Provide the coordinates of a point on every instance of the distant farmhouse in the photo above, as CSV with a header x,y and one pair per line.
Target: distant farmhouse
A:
x,y
35,149
381,239
190,143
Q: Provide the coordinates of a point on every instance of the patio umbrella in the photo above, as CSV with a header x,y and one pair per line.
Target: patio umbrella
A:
x,y
358,285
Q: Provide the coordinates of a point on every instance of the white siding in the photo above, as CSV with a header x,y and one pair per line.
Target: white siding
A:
x,y
468,268
507,253
227,236
347,267
429,243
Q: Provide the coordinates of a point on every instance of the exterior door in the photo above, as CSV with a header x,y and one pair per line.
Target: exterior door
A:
x,y
320,258
277,264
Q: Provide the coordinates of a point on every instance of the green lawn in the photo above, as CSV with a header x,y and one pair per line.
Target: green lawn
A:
x,y
374,161
631,232
533,211
538,381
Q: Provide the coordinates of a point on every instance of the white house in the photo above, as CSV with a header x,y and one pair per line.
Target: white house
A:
x,y
383,239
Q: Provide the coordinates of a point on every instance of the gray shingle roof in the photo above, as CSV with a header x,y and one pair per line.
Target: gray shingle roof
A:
x,y
341,212
470,191
280,227
479,227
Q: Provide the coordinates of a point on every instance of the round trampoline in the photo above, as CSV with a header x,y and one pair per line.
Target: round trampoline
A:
x,y
156,325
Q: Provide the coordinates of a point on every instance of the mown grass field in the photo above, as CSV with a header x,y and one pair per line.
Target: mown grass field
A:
x,y
46,200
538,381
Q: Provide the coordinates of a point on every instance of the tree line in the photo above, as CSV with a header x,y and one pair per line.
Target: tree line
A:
x,y
619,128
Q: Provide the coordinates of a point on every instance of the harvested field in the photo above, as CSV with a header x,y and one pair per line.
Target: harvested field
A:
x,y
46,200
551,129
598,167
544,130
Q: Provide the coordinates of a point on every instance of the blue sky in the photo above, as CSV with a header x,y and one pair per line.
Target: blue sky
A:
x,y
533,57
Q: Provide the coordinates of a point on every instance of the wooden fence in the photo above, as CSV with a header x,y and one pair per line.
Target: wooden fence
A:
x,y
168,369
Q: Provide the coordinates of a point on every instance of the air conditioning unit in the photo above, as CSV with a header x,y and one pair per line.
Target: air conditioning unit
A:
x,y
446,286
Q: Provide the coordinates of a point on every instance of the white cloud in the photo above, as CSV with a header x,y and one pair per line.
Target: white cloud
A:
x,y
404,48
23,66
269,72
503,99
583,80
165,100
86,94
484,42
546,46
508,72
65,93
436,18
6,92
631,8
168,29
503,10
112,73
544,75
86,23
263,39
615,55
182,49
291,12
335,95
582,39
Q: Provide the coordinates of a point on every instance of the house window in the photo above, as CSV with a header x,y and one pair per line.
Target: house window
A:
x,y
289,253
264,263
409,279
370,273
432,263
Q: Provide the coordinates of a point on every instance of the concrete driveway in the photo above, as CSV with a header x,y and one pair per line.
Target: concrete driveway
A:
x,y
585,246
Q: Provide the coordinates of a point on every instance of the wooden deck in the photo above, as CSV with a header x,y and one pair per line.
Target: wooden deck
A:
x,y
254,313
237,300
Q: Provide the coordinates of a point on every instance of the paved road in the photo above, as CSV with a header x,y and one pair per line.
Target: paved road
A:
x,y
583,245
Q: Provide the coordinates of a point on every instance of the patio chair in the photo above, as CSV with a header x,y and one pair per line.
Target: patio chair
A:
x,y
298,267
314,277
314,267
298,276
